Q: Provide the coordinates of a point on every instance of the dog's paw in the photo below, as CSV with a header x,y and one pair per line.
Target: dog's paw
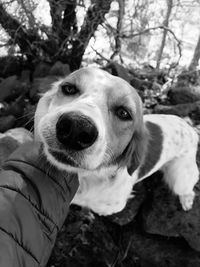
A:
x,y
187,201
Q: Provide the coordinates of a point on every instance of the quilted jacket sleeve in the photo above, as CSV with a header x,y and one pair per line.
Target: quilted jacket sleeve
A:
x,y
34,201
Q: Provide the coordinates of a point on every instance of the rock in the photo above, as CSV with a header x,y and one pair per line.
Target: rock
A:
x,y
10,140
84,241
181,95
41,86
189,77
59,69
182,110
187,88
11,88
15,108
144,250
12,65
133,205
25,76
118,70
163,215
41,70
145,85
7,122
140,84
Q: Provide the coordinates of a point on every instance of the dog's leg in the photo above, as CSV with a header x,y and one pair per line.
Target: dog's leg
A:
x,y
181,174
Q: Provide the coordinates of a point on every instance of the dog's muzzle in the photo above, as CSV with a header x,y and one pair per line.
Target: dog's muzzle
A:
x,y
75,131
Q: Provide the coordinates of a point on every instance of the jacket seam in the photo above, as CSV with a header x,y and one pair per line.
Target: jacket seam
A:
x,y
33,205
19,244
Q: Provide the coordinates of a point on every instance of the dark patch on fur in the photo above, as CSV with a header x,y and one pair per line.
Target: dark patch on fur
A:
x,y
154,148
136,150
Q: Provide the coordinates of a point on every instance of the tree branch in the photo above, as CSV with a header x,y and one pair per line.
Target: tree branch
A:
x,y
99,54
156,28
28,12
18,33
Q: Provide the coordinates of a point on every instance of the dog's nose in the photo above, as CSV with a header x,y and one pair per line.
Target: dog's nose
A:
x,y
75,131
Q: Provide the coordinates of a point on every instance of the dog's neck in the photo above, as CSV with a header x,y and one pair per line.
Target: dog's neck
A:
x,y
106,191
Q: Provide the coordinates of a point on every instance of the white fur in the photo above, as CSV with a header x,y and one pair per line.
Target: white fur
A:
x,y
178,158
105,193
106,190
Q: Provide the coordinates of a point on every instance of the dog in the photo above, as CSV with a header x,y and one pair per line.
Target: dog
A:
x,y
92,123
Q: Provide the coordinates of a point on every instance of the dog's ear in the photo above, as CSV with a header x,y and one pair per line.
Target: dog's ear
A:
x,y
137,149
135,152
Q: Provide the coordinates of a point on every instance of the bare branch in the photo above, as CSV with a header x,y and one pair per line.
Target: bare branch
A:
x,y
99,54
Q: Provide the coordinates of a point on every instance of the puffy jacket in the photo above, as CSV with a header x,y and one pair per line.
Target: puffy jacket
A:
x,y
34,201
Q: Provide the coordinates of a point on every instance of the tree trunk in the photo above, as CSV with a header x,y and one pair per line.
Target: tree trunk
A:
x,y
195,59
165,24
117,48
69,23
64,42
94,17
56,9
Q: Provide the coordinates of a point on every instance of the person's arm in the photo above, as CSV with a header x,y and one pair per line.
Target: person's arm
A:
x,y
34,201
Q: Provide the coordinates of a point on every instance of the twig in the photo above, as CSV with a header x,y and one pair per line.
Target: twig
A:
x,y
99,54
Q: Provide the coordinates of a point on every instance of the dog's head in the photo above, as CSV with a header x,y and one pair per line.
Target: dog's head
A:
x,y
90,120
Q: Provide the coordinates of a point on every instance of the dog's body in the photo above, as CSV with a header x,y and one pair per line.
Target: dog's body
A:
x,y
172,150
91,123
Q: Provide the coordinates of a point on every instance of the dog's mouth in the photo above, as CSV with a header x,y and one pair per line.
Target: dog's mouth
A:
x,y
60,157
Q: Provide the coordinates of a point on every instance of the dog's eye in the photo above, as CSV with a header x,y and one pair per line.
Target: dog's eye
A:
x,y
123,114
69,89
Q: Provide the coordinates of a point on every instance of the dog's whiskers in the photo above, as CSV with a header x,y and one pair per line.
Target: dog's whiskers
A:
x,y
109,155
